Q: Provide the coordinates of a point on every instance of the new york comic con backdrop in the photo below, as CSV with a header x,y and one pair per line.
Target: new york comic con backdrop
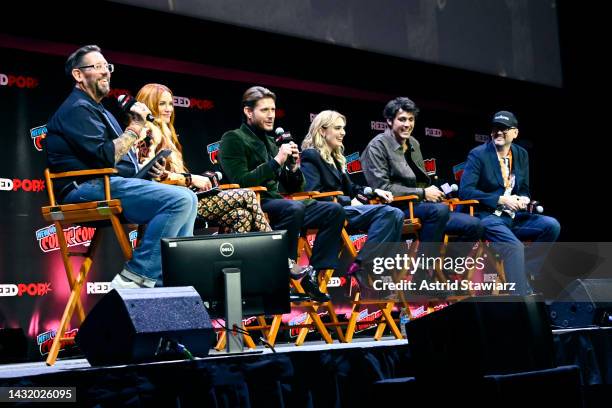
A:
x,y
33,284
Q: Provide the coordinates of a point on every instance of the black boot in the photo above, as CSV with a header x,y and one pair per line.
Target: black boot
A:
x,y
310,283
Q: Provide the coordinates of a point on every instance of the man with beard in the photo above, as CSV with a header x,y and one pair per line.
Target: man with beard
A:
x,y
250,158
83,135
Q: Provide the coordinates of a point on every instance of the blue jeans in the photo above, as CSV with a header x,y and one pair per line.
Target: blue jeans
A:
x,y
506,235
168,211
383,224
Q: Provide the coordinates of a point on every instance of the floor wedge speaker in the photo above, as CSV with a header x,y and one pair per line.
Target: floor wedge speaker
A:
x,y
481,336
585,302
141,325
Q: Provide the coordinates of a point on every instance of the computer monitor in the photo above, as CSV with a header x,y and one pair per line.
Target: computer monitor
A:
x,y
260,256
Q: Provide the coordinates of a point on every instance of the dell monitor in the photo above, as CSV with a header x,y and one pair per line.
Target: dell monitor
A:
x,y
261,258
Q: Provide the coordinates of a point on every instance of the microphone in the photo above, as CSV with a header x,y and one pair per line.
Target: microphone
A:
x,y
448,190
367,195
281,138
535,207
214,177
126,102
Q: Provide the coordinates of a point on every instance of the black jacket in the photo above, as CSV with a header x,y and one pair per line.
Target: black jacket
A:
x,y
323,177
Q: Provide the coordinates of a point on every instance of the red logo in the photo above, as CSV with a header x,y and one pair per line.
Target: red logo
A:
x,y
430,166
22,289
193,103
77,235
367,320
133,237
19,81
45,340
38,134
213,152
353,164
116,92
433,132
28,185
458,171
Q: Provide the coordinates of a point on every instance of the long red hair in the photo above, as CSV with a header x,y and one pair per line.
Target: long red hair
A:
x,y
150,95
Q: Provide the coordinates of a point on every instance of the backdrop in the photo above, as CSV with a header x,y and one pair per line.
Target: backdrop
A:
x,y
33,286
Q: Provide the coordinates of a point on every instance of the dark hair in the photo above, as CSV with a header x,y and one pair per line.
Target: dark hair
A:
x,y
254,94
76,58
401,102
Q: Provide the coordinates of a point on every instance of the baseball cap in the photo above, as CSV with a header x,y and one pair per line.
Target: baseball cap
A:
x,y
504,118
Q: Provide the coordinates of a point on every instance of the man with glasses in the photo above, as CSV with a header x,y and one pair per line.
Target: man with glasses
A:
x,y
497,175
83,135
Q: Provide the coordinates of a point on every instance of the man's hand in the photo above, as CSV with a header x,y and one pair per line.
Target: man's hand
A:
x,y
513,202
285,151
139,112
433,194
158,171
386,196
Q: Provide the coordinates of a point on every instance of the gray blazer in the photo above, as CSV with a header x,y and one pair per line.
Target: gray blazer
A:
x,y
386,168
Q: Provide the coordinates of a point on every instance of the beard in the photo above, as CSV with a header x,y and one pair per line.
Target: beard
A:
x,y
102,89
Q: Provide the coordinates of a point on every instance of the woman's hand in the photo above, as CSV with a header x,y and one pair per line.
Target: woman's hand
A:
x,y
201,182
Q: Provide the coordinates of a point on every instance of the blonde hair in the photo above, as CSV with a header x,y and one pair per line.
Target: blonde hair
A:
x,y
150,95
314,138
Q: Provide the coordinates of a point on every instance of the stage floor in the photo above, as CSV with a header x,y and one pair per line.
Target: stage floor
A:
x,y
20,370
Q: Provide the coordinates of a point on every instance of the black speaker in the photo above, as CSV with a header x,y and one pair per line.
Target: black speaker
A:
x,y
141,325
481,336
584,302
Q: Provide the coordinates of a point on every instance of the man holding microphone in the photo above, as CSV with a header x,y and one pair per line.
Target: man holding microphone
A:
x,y
250,158
83,135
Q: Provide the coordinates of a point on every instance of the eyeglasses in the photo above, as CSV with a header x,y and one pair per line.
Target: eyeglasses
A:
x,y
505,131
99,67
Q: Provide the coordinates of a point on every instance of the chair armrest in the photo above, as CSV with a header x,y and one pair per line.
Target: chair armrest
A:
x,y
302,195
327,194
80,173
228,186
412,197
258,189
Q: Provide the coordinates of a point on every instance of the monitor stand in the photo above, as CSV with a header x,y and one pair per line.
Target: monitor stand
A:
x,y
233,313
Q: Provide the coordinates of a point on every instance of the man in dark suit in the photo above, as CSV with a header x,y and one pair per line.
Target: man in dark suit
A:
x,y
250,158
497,175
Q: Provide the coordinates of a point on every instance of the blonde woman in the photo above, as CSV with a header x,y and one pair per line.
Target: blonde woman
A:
x,y
324,168
234,210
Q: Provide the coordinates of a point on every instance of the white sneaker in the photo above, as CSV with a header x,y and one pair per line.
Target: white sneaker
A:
x,y
119,282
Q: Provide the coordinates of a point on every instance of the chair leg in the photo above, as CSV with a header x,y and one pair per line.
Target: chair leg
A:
x,y
350,328
68,264
388,319
124,243
75,294
274,328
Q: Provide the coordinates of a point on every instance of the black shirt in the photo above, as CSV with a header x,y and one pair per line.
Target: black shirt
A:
x,y
80,137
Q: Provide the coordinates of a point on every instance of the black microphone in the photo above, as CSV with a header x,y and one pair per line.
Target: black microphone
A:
x,y
535,207
214,177
368,194
283,137
126,102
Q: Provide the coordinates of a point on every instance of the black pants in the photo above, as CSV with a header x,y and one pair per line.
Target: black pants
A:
x,y
294,216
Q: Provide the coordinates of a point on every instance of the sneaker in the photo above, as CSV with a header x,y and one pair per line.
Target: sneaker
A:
x,y
296,271
119,282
